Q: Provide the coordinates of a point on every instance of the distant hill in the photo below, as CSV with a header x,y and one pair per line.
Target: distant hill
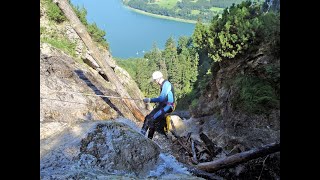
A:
x,y
184,9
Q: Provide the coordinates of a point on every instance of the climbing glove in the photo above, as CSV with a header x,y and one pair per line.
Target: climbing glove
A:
x,y
146,100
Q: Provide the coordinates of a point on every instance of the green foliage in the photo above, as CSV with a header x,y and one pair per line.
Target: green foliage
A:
x,y
204,80
184,9
189,99
178,63
254,96
273,72
95,32
141,69
81,12
170,56
183,42
194,103
189,66
167,3
61,43
200,36
128,64
273,76
240,29
270,31
42,30
235,32
54,12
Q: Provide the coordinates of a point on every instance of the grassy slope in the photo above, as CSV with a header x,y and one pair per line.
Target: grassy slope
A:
x,y
160,16
169,4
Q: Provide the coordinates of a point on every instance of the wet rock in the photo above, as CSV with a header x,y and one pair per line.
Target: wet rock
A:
x,y
99,148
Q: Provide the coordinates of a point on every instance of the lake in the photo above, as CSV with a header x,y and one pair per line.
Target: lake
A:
x,y
129,33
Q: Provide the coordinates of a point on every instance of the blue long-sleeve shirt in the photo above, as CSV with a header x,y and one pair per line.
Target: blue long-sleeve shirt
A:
x,y
165,92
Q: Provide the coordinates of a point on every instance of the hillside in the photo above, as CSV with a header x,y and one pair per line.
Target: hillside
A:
x,y
184,9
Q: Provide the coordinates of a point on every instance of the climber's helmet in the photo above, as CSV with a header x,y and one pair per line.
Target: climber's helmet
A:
x,y
156,76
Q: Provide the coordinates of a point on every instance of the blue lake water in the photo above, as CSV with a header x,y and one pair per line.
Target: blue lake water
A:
x,y
128,33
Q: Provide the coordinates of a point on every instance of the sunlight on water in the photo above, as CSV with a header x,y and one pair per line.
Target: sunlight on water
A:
x,y
168,165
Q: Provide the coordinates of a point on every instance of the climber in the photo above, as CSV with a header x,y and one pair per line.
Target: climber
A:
x,y
156,119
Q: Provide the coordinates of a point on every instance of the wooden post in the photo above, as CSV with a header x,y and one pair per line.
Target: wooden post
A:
x,y
108,71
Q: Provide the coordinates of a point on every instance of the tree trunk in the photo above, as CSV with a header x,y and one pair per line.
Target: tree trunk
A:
x,y
108,71
239,158
201,173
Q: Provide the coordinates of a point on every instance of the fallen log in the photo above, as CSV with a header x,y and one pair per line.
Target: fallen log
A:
x,y
239,158
194,155
210,145
201,173
180,142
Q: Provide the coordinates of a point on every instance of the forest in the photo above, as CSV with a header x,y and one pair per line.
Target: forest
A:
x,y
203,10
189,62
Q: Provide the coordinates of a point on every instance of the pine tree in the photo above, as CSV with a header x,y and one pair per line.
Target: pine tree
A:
x,y
169,55
233,33
200,36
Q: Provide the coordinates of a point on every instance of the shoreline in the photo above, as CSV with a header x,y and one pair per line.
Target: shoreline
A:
x,y
160,16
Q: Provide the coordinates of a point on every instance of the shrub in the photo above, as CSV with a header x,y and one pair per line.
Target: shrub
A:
x,y
194,103
62,44
270,31
42,30
54,12
254,95
95,32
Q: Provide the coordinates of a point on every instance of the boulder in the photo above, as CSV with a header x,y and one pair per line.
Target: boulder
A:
x,y
96,149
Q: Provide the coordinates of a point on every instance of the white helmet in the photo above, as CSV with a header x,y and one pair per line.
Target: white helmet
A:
x,y
157,75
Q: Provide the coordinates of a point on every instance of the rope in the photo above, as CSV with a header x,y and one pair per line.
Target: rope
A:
x,y
62,100
86,94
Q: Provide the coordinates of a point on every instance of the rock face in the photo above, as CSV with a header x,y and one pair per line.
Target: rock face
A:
x,y
61,78
132,88
217,99
98,148
62,73
232,129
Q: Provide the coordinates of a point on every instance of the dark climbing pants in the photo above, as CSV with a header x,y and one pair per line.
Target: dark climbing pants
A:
x,y
155,124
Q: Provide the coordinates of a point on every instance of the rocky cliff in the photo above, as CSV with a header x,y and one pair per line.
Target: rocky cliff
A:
x,y
221,97
223,114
